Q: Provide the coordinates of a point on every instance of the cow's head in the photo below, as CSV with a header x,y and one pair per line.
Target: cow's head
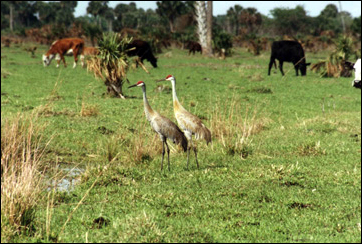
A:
x,y
357,74
153,61
303,68
47,59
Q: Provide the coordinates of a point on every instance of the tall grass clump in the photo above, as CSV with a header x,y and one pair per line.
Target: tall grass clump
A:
x,y
233,124
21,180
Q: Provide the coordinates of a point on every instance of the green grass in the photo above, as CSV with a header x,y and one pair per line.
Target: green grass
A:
x,y
296,177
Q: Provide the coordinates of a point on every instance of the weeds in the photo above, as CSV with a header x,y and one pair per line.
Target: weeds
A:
x,y
21,181
140,146
233,125
89,110
311,149
139,227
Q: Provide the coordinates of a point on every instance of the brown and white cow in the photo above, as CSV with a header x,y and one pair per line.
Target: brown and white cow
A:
x,y
88,51
66,46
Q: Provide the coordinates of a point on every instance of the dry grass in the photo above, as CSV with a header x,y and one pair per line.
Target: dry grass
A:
x,y
327,69
88,110
233,125
144,145
138,228
21,181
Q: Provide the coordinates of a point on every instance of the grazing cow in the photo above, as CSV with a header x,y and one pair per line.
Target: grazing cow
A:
x,y
59,48
88,51
143,50
357,74
194,47
288,51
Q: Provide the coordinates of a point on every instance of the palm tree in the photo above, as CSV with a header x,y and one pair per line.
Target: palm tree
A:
x,y
209,28
111,64
250,18
170,10
334,66
233,15
204,26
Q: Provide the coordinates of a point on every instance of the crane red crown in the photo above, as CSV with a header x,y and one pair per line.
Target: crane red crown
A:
x,y
140,82
168,76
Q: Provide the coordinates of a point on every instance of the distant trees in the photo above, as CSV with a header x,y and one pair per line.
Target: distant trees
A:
x,y
170,10
233,18
328,19
250,19
18,14
243,19
126,15
97,9
173,20
129,16
290,21
356,25
47,11
65,15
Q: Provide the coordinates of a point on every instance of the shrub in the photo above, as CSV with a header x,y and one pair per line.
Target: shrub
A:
x,y
222,40
21,181
111,64
334,66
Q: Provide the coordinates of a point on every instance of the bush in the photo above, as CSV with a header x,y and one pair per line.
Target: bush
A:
x,y
21,181
222,40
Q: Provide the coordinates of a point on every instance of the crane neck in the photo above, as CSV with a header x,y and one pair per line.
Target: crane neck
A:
x,y
148,110
174,95
176,104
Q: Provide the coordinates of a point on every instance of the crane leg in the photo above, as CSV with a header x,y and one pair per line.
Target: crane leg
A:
x,y
195,150
168,155
163,154
188,154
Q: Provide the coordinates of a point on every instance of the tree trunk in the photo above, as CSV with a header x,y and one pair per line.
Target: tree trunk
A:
x,y
200,14
115,88
209,28
11,6
171,26
203,27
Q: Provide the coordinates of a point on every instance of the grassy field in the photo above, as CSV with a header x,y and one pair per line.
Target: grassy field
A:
x,y
284,164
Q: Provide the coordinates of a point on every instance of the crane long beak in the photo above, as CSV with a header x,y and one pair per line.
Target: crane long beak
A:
x,y
160,80
132,86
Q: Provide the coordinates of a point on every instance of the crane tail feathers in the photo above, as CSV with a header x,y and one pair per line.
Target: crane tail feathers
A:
x,y
203,133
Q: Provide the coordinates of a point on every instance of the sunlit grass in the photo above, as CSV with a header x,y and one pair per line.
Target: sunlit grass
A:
x,y
284,164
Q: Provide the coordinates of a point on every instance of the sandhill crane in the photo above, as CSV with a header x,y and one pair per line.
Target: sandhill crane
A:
x,y
163,126
188,122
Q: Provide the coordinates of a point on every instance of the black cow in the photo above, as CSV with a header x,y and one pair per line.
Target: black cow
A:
x,y
142,50
194,47
288,51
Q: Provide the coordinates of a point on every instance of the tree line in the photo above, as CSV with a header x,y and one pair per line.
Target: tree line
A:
x,y
175,19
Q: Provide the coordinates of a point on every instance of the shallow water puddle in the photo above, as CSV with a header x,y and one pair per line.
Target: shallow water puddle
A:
x,y
68,178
